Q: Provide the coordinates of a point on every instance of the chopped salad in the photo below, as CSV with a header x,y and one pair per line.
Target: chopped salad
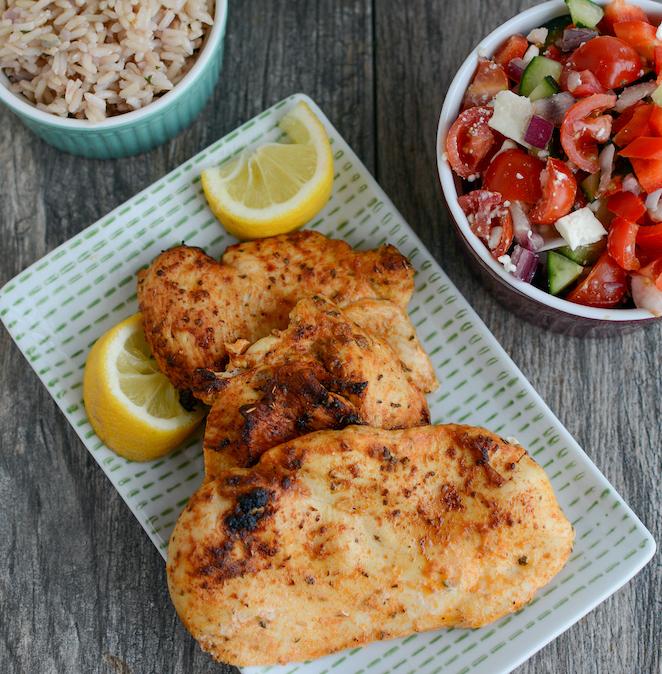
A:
x,y
559,149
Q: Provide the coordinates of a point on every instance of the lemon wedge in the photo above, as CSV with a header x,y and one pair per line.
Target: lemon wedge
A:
x,y
278,187
131,405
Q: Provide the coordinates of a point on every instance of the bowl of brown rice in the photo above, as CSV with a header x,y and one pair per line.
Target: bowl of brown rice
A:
x,y
109,78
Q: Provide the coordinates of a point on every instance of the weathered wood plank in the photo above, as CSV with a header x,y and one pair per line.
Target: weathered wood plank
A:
x,y
69,543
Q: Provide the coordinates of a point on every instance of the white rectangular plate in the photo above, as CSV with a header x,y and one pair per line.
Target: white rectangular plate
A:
x,y
57,308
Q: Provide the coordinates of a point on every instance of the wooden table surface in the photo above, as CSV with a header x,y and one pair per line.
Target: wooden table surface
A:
x,y
82,589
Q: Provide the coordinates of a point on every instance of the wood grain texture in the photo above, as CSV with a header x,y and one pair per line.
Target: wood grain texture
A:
x,y
82,589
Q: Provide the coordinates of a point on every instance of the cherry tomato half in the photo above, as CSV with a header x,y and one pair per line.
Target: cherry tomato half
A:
x,y
469,141
621,243
614,62
554,53
654,272
489,80
604,287
514,48
559,189
618,11
488,216
640,35
657,58
632,123
515,175
615,185
580,85
655,120
583,127
649,238
626,205
649,173
644,147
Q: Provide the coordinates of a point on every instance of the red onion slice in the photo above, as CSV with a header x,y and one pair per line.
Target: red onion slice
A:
x,y
573,37
633,95
522,230
539,132
631,184
526,263
654,206
515,69
554,108
606,160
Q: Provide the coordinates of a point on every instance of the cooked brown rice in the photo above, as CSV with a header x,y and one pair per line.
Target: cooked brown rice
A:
x,y
91,60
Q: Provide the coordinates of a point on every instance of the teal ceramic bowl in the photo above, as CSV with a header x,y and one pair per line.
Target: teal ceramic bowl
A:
x,y
138,131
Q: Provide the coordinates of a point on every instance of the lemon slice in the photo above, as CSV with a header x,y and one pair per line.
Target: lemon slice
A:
x,y
131,405
278,187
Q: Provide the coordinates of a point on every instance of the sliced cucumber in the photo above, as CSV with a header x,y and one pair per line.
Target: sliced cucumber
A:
x,y
535,73
590,185
584,13
561,272
548,87
584,255
555,28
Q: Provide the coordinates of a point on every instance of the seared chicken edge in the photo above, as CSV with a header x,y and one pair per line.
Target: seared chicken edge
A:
x,y
338,538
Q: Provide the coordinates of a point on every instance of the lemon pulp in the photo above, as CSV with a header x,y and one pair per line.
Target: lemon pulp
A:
x,y
277,187
131,405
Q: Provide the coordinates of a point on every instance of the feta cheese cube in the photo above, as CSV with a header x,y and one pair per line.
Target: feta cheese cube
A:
x,y
512,114
658,33
580,228
507,263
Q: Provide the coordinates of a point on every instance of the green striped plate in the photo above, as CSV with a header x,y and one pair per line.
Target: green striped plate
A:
x,y
58,307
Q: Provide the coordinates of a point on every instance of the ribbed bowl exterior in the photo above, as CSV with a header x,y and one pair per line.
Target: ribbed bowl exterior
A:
x,y
137,135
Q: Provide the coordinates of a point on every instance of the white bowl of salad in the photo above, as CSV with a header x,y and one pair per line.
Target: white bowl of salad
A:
x,y
549,151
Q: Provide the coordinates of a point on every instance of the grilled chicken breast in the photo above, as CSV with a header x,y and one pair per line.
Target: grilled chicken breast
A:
x,y
323,371
192,305
338,538
392,324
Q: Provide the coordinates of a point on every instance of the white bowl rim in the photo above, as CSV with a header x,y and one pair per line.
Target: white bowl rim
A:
x,y
22,107
521,23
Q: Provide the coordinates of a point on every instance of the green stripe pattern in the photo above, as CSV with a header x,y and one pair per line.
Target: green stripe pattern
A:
x,y
57,308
